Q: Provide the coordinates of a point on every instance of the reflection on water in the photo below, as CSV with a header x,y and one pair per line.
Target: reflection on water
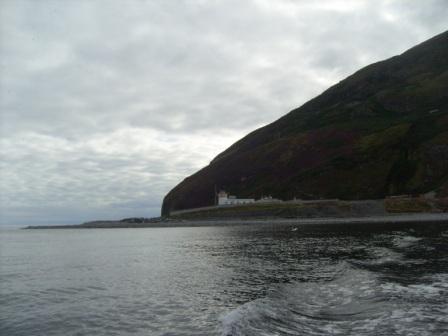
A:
x,y
241,280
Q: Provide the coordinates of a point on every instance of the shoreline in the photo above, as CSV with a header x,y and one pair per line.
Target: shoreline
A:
x,y
427,218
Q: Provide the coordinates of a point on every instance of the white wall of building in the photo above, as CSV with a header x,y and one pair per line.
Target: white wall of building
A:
x,y
226,199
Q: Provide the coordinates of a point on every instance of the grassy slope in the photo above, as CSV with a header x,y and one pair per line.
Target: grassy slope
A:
x,y
381,131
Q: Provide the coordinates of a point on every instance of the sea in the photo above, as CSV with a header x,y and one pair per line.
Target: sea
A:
x,y
265,279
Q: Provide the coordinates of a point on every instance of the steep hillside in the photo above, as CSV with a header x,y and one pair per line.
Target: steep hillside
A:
x,y
381,131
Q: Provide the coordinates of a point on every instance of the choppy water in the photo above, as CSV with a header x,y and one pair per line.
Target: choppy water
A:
x,y
257,280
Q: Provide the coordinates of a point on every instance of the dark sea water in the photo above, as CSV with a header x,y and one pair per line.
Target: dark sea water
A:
x,y
235,280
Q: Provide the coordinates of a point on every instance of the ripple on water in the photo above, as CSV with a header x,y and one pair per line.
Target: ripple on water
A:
x,y
317,280
357,303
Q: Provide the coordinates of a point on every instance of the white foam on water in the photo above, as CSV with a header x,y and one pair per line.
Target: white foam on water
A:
x,y
405,241
311,308
358,303
384,255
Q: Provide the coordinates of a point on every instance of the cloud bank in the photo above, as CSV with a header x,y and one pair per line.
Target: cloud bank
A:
x,y
107,105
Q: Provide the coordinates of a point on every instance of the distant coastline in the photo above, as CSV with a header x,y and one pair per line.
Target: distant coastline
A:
x,y
390,210
426,218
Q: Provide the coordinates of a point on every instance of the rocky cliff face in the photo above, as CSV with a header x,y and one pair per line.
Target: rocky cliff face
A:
x,y
379,132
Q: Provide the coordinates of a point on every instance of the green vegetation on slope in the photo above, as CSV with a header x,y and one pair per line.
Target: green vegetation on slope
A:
x,y
379,132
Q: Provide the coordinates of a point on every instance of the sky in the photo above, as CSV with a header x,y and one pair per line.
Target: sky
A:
x,y
107,105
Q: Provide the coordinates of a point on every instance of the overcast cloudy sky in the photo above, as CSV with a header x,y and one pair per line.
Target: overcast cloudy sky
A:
x,y
107,105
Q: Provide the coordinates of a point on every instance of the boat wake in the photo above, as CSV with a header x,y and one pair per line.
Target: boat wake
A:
x,y
358,301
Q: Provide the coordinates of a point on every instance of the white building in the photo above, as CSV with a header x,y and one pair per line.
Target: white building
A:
x,y
226,199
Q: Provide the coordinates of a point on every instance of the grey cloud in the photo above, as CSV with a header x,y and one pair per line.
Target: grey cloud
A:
x,y
106,105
